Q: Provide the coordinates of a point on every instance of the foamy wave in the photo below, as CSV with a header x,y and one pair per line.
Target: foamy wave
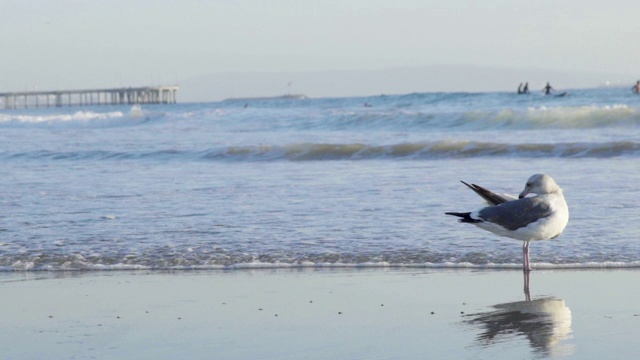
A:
x,y
79,119
415,119
574,117
583,116
77,116
80,264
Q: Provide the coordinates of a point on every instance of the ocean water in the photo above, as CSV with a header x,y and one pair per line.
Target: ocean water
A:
x,y
314,182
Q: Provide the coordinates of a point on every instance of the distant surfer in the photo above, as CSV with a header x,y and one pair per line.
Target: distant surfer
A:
x,y
548,89
636,87
525,90
520,89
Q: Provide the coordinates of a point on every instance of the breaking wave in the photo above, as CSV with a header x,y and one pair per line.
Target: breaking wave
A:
x,y
78,119
320,151
76,262
542,117
347,118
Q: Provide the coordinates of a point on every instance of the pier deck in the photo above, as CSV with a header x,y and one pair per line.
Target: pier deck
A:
x,y
115,96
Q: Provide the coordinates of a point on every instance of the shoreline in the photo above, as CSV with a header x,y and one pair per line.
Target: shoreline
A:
x,y
319,313
311,266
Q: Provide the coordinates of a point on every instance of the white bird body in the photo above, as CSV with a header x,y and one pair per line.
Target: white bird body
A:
x,y
539,217
543,229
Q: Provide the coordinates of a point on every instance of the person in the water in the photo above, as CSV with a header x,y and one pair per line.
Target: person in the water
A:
x,y
548,89
636,87
523,89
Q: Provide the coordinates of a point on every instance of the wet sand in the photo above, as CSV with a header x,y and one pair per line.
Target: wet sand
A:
x,y
320,314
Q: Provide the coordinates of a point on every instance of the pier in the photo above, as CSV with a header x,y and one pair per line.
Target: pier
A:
x,y
115,96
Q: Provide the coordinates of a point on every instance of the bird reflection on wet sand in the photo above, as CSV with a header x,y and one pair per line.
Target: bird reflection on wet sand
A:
x,y
545,322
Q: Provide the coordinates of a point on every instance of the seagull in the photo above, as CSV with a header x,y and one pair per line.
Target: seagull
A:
x,y
540,217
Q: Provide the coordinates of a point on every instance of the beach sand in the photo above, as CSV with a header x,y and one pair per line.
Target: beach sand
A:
x,y
319,313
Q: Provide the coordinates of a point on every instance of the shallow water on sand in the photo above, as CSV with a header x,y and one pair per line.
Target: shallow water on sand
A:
x,y
319,313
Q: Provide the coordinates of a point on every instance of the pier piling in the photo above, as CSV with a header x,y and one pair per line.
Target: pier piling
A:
x,y
115,96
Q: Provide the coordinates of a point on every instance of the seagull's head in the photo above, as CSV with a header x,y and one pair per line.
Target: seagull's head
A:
x,y
539,184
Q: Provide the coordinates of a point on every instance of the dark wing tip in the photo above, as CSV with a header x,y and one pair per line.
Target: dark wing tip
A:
x,y
464,217
458,214
488,195
469,186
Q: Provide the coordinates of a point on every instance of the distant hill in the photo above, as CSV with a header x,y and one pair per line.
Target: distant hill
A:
x,y
446,78
280,97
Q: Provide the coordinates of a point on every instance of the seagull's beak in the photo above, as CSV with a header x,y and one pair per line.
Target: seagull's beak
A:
x,y
524,192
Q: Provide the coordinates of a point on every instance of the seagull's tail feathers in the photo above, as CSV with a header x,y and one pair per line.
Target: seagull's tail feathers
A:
x,y
489,196
464,217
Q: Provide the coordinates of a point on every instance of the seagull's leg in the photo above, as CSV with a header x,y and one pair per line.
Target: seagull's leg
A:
x,y
527,292
525,256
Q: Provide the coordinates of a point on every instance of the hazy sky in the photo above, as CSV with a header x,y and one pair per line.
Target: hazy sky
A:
x,y
48,44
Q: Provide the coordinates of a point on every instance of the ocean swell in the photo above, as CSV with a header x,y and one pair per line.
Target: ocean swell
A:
x,y
342,118
352,151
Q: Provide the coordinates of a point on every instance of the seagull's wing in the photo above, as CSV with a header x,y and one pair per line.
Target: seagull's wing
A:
x,y
516,214
489,196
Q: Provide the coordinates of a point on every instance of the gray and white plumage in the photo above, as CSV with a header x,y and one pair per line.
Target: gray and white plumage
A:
x,y
539,217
